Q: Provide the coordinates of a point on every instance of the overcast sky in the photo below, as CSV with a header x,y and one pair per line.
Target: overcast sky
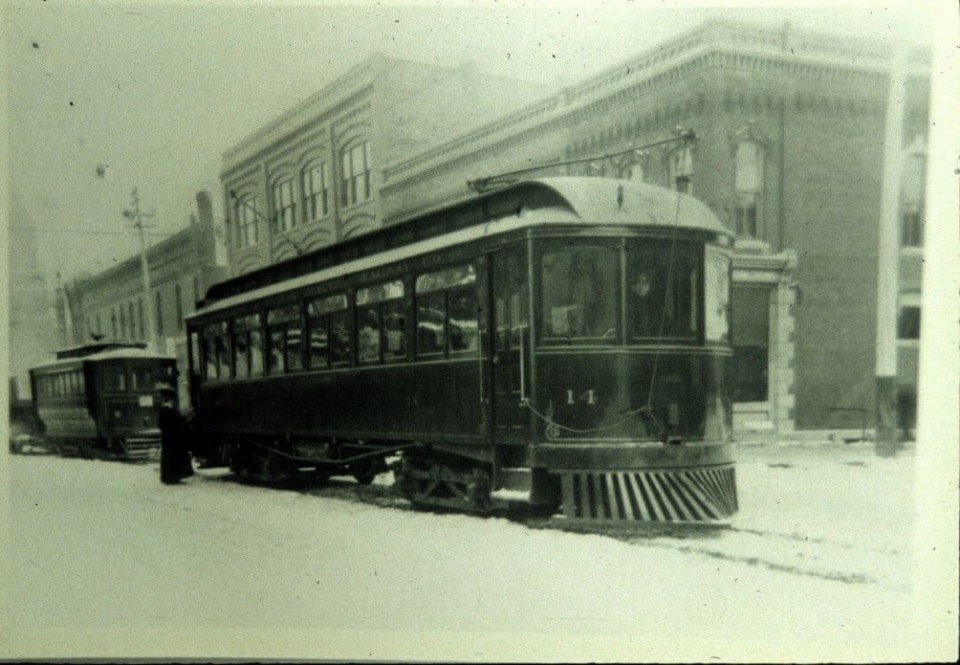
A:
x,y
156,92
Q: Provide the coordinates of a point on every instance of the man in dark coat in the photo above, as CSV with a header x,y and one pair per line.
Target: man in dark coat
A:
x,y
175,461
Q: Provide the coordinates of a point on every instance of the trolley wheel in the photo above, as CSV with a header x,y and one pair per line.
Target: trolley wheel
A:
x,y
364,477
365,472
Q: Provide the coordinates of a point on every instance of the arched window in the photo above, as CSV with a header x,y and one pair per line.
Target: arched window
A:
x,y
355,174
315,185
245,216
283,205
749,189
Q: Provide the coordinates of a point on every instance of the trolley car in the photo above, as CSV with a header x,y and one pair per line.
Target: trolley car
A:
x,y
564,336
102,399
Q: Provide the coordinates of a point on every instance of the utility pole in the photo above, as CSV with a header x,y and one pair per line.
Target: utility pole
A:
x,y
888,260
133,213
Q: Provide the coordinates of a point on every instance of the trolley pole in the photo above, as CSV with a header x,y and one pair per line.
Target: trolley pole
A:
x,y
133,213
889,257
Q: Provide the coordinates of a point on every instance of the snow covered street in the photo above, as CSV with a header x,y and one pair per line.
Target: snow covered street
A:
x,y
101,560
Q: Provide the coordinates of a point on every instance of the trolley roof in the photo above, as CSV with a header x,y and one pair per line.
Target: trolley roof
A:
x,y
97,347
546,201
102,351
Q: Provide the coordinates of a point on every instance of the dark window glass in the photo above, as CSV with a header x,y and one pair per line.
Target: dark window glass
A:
x,y
275,354
340,339
256,353
462,322
114,379
368,334
210,356
394,337
143,379
318,327
293,347
579,293
510,299
908,323
241,350
380,329
317,353
223,356
663,293
430,325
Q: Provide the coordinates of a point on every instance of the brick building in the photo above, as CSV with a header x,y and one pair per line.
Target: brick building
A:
x,y
312,176
789,154
112,303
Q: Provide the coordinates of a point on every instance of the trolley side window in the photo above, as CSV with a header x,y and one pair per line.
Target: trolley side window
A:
x,y
380,323
320,313
216,346
716,295
579,292
284,340
247,347
447,308
663,290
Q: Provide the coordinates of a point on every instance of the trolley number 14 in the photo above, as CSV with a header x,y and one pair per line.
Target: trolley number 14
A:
x,y
590,397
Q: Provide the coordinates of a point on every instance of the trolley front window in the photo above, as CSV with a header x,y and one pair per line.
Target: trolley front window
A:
x,y
663,290
579,292
114,379
143,379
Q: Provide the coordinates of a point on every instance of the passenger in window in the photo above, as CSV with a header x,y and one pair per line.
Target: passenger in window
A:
x,y
368,335
646,309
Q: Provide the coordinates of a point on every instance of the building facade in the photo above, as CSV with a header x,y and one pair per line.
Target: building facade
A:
x,y
312,177
788,152
113,304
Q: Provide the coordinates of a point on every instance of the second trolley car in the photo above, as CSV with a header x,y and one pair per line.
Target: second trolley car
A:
x,y
566,336
102,399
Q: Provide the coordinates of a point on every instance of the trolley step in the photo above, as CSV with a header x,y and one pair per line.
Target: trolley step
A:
x,y
141,447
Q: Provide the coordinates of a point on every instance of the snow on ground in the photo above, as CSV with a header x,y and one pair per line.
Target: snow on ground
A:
x,y
101,560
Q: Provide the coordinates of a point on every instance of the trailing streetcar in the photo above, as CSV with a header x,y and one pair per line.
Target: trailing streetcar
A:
x,y
102,400
567,337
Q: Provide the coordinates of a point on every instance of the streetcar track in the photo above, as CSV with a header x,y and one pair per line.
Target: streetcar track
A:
x,y
645,534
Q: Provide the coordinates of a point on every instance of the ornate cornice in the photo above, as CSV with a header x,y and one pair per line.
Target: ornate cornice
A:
x,y
716,45
293,139
317,104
